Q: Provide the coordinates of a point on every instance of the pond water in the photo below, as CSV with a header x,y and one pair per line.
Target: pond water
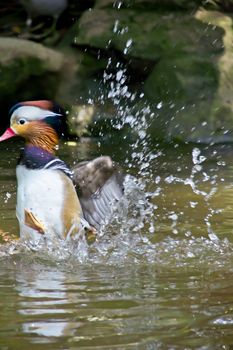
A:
x,y
159,275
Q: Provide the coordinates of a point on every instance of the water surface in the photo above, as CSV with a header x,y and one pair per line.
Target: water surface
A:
x,y
160,274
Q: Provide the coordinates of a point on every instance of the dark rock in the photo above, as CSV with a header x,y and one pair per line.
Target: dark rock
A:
x,y
187,76
28,71
150,4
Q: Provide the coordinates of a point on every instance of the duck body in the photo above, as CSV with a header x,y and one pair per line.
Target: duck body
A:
x,y
46,198
52,200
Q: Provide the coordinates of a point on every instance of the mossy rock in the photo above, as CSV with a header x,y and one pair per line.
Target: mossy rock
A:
x,y
199,89
166,5
150,4
183,80
191,65
145,35
28,70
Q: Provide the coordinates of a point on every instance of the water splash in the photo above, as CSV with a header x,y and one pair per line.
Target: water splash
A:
x,y
143,155
7,197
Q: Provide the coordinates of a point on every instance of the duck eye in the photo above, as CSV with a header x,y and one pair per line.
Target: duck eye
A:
x,y
22,121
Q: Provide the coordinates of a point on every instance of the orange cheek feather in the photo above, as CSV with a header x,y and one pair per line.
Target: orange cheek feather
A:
x,y
37,133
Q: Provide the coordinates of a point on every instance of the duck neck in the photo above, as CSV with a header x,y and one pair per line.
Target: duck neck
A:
x,y
45,138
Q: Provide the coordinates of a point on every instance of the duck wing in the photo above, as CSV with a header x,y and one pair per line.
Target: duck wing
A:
x,y
99,184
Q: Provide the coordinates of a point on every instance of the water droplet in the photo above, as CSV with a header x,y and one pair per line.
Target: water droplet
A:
x,y
7,197
213,237
119,75
157,179
193,204
159,105
115,28
127,46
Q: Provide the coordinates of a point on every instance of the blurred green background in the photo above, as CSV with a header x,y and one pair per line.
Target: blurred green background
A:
x,y
96,57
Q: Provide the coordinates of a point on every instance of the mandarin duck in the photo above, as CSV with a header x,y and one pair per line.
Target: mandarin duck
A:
x,y
52,199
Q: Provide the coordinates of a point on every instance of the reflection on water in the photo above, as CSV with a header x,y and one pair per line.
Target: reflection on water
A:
x,y
159,276
150,306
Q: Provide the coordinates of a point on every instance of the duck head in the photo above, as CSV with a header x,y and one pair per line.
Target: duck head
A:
x,y
41,123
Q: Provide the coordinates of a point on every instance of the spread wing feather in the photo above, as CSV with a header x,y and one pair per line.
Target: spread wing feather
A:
x,y
99,184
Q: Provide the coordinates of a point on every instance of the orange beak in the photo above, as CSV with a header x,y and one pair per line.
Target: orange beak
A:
x,y
7,134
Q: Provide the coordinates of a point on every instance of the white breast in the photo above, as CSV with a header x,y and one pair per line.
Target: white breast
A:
x,y
42,193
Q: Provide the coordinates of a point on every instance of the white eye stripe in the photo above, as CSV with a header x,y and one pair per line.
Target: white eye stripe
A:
x,y
32,113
